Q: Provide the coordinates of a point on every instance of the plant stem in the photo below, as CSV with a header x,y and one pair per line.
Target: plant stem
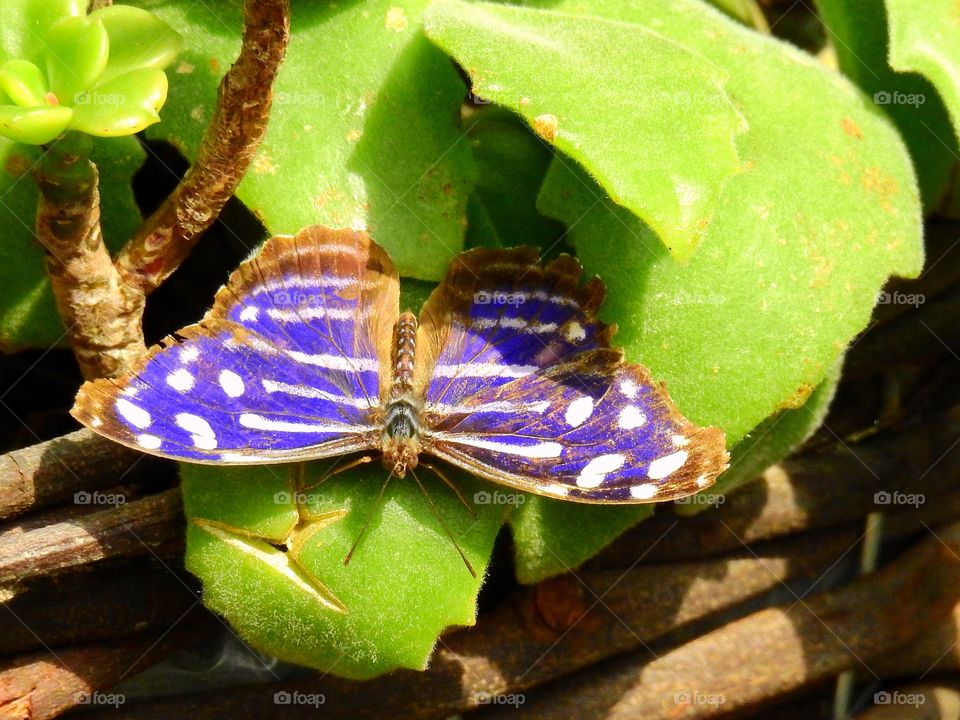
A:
x,y
101,314
239,124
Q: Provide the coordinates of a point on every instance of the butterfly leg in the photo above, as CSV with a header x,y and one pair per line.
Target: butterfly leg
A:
x,y
450,484
301,489
336,470
439,519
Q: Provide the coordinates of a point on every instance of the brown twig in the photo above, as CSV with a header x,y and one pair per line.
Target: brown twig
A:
x,y
51,472
238,126
545,632
773,652
123,531
93,605
101,314
101,301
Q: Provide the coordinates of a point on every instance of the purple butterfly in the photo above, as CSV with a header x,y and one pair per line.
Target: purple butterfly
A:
x,y
508,374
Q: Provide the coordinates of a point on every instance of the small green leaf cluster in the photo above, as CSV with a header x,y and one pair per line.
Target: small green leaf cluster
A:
x,y
99,74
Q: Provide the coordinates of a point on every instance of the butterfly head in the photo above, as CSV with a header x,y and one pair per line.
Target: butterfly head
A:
x,y
401,437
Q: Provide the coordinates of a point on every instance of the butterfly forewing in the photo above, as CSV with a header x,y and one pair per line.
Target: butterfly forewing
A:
x,y
287,365
522,388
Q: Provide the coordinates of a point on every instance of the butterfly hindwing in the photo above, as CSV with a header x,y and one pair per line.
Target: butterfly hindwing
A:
x,y
594,429
287,364
520,387
498,315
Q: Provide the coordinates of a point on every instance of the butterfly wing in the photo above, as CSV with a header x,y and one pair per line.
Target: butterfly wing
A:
x,y
287,365
526,391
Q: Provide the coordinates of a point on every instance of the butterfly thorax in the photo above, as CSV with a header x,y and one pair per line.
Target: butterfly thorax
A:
x,y
401,427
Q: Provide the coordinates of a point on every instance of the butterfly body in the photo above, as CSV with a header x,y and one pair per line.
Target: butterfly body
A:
x,y
507,373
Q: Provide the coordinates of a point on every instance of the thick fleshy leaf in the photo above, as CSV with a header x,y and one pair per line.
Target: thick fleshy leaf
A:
x,y
23,83
138,40
24,24
34,126
801,242
77,52
364,130
122,106
28,316
788,270
859,34
653,125
511,164
404,585
924,39
773,439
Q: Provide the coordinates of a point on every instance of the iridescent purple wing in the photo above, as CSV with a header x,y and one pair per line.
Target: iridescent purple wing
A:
x,y
286,366
526,391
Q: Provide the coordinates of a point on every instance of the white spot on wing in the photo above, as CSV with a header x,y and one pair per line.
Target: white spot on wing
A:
x,y
663,466
644,492
231,383
133,414
579,411
250,313
180,380
575,332
630,389
681,440
631,418
148,442
596,471
189,354
200,431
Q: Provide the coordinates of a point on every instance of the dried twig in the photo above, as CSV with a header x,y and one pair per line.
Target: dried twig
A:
x,y
238,125
50,472
773,652
124,531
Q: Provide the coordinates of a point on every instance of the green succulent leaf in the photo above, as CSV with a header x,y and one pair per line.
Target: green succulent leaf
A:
x,y
653,125
364,130
860,34
77,51
36,125
122,106
23,83
773,439
25,24
923,39
279,579
138,40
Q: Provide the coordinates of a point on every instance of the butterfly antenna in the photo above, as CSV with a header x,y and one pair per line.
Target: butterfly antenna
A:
x,y
439,519
366,523
450,484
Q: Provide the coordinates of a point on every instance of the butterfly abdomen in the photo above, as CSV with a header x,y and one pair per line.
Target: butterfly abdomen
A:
x,y
401,426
